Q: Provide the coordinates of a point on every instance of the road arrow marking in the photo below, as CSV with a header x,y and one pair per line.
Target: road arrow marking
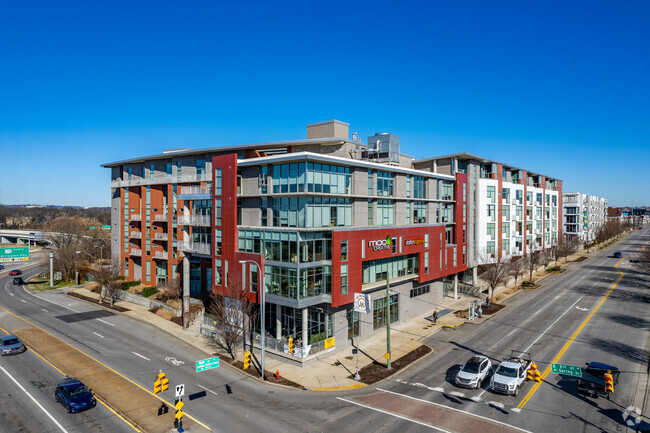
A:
x,y
581,309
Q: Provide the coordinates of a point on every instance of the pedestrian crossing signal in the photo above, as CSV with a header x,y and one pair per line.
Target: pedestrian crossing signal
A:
x,y
609,382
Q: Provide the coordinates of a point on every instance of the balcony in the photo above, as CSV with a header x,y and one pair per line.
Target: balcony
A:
x,y
161,237
135,235
160,218
160,255
196,248
136,252
135,217
196,220
194,189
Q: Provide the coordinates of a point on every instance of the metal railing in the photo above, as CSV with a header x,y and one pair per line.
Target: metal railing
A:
x,y
161,236
160,255
196,220
194,189
135,235
136,252
135,217
196,247
160,217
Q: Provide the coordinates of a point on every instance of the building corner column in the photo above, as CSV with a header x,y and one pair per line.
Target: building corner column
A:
x,y
278,322
305,327
455,286
186,291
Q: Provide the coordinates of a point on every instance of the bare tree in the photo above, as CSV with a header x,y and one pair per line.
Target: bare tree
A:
x,y
497,271
231,312
173,288
644,260
517,267
109,277
533,260
545,257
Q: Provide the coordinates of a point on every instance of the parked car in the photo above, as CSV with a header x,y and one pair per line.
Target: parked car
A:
x,y
18,281
592,382
510,375
474,372
74,395
11,345
2,267
16,272
618,255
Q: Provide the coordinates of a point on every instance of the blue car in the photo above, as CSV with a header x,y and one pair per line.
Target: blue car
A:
x,y
74,395
11,345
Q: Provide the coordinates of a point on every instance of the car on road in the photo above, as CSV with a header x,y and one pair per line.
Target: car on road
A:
x,y
11,345
16,272
74,395
2,267
510,375
618,255
592,382
18,281
474,372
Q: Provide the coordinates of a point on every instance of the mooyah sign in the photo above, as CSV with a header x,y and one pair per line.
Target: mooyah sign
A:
x,y
383,244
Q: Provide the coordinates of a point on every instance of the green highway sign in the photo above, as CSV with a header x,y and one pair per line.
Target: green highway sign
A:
x,y
206,364
569,370
14,254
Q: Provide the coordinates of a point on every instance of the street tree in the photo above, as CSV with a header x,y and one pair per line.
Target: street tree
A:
x,y
232,313
533,260
498,269
109,277
517,267
644,261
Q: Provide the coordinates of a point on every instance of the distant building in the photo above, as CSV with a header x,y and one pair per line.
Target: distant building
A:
x,y
583,215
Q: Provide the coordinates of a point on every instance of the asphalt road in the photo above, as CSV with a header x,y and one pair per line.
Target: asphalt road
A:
x,y
418,399
541,322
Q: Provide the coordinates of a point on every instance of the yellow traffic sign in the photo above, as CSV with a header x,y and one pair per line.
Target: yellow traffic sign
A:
x,y
179,414
179,405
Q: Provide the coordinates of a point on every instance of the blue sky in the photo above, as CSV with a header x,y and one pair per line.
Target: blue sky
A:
x,y
561,88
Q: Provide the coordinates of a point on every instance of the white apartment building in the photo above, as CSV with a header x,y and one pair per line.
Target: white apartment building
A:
x,y
583,215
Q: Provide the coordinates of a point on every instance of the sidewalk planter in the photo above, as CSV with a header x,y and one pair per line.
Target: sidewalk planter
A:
x,y
145,302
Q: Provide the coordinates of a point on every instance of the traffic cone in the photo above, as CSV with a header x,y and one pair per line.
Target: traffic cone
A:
x,y
277,374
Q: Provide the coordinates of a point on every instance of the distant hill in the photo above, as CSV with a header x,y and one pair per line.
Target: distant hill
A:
x,y
35,216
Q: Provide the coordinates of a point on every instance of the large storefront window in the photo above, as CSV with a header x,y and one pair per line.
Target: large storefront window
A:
x,y
378,270
315,281
320,325
311,177
353,323
379,311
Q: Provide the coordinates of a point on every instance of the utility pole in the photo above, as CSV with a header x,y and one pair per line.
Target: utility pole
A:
x,y
51,269
388,320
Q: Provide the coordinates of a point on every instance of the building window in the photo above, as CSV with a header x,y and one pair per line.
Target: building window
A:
x,y
148,268
419,187
379,311
408,186
419,212
375,271
489,249
426,241
370,212
491,194
491,212
519,194
505,229
200,169
363,248
344,251
385,212
353,323
385,184
254,277
217,212
344,279
506,212
217,272
490,231
447,190
505,246
263,212
217,182
449,232
455,256
419,291
506,195
408,212
126,267
426,262
217,242
464,255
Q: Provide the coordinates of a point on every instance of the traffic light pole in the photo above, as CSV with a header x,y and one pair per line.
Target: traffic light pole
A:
x,y
388,320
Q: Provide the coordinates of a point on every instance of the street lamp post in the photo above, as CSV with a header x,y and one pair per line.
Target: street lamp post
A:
x,y
262,307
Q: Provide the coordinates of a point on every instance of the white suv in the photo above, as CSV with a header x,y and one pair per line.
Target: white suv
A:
x,y
474,372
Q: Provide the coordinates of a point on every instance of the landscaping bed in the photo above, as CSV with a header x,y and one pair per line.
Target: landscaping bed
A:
x,y
494,307
377,370
96,301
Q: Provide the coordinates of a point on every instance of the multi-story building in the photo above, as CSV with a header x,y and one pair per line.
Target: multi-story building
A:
x,y
510,211
313,221
583,215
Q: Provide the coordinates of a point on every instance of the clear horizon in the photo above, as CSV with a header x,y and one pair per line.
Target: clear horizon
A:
x,y
556,88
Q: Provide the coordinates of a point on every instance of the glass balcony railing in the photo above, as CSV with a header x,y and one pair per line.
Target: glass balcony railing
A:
x,y
196,247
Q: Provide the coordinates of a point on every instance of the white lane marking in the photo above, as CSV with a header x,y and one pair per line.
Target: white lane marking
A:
x,y
454,409
516,409
436,388
143,357
511,332
581,309
556,320
457,394
99,335
44,310
52,302
559,295
391,414
419,385
537,312
496,404
33,399
22,300
11,294
482,392
209,390
476,399
104,321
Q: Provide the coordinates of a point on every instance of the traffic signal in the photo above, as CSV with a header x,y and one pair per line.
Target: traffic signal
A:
x,y
291,349
538,376
609,382
161,384
247,359
529,374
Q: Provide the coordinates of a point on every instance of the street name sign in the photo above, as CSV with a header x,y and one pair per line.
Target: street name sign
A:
x,y
206,364
569,370
14,254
